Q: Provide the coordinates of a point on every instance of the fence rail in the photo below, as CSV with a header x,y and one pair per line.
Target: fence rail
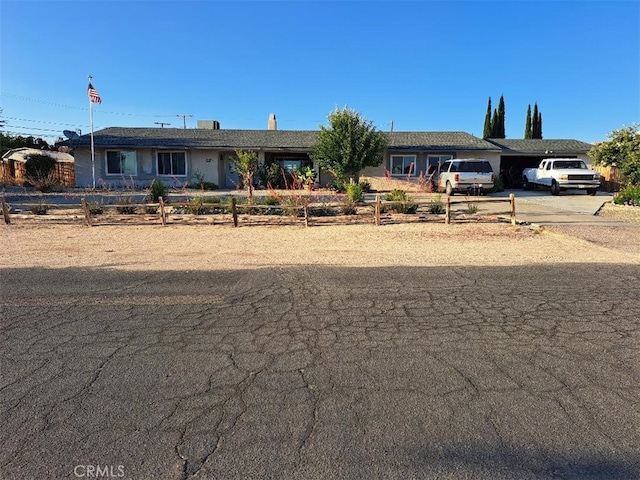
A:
x,y
303,210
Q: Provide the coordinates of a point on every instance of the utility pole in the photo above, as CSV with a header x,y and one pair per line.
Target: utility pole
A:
x,y
184,119
162,124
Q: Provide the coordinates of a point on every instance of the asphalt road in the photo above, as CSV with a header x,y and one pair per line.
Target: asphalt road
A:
x,y
322,372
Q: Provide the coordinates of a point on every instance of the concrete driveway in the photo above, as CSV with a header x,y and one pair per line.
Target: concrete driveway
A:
x,y
574,201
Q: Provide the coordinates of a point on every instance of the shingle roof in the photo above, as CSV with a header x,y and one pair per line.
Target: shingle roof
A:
x,y
266,139
540,146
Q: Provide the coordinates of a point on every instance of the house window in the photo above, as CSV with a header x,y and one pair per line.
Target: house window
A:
x,y
403,164
172,163
120,162
435,162
291,165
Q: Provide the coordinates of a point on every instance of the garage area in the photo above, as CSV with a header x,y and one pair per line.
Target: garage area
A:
x,y
518,154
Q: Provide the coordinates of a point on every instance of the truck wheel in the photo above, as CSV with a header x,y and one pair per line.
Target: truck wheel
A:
x,y
525,184
555,188
448,189
592,191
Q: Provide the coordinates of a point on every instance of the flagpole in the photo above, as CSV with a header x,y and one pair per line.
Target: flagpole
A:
x,y
93,155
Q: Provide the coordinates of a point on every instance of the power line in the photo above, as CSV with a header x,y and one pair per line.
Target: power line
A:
x,y
60,105
44,121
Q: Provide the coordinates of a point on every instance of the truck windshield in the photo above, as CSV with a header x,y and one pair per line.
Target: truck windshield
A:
x,y
570,164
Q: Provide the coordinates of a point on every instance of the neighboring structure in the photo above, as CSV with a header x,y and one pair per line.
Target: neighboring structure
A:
x,y
139,155
12,166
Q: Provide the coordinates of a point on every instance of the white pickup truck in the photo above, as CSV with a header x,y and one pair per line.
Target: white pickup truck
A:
x,y
560,174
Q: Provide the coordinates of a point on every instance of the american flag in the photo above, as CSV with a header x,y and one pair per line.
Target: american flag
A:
x,y
94,96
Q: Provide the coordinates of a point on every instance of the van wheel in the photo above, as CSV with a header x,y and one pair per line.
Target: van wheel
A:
x,y
555,188
592,191
448,189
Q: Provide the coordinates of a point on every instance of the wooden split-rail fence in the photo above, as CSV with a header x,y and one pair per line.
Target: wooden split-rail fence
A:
x,y
302,210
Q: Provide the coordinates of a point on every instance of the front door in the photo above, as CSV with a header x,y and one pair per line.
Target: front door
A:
x,y
231,179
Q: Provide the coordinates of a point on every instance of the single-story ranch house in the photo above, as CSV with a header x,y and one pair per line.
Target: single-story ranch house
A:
x,y
124,155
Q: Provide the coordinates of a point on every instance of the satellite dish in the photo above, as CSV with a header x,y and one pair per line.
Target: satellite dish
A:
x,y
70,134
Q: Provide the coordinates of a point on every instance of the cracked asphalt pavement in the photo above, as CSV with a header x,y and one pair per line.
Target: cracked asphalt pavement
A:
x,y
321,372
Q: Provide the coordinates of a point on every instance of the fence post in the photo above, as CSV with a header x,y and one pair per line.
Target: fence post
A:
x,y
447,213
87,212
377,210
234,212
305,209
5,211
512,201
163,215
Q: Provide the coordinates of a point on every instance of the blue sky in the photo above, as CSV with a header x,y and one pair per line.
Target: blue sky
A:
x,y
425,66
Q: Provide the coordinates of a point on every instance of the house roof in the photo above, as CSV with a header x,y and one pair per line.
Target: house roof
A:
x,y
265,139
539,146
21,154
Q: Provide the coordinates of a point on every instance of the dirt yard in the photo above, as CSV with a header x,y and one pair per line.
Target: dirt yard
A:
x,y
206,247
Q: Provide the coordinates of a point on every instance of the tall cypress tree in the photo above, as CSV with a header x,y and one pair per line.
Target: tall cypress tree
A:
x,y
539,124
500,129
495,124
486,131
536,117
527,126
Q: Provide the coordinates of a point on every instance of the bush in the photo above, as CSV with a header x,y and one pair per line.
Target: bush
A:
x,y
157,190
40,172
95,208
354,193
270,175
396,195
436,206
498,185
404,202
338,185
125,207
628,196
39,209
366,186
349,208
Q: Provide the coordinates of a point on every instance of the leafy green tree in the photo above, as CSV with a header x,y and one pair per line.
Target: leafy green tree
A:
x,y
528,132
487,130
9,142
622,149
350,144
245,165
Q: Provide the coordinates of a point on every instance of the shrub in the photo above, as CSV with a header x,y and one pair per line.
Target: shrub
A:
x,y
271,200
338,185
95,208
436,206
40,171
498,185
157,190
125,207
39,209
270,175
349,208
628,196
396,195
354,193
366,186
404,203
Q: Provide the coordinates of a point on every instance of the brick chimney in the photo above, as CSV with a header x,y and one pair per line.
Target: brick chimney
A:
x,y
272,124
